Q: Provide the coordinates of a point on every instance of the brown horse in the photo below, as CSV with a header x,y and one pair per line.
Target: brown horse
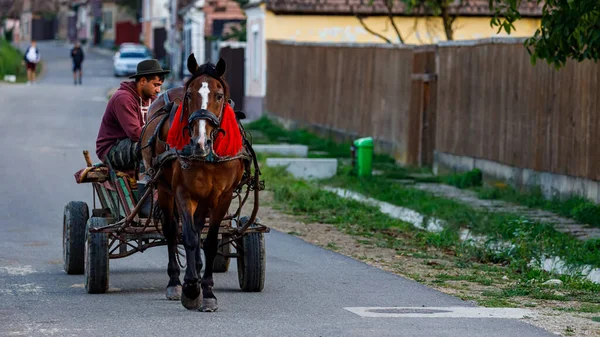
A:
x,y
196,183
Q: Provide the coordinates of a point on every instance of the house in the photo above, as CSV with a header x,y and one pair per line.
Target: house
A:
x,y
118,25
154,20
34,25
335,21
205,25
85,20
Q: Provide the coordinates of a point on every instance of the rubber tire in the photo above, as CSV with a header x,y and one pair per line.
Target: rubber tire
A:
x,y
75,217
96,258
251,267
221,263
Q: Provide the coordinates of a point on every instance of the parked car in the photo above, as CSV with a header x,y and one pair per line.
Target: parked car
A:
x,y
127,59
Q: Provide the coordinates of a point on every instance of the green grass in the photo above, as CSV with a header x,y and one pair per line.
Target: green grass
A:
x,y
530,240
312,204
577,208
269,131
11,62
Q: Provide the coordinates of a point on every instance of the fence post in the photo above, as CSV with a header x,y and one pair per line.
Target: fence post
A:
x,y
422,111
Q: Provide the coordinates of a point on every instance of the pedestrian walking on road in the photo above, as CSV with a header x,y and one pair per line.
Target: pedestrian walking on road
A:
x,y
31,58
77,56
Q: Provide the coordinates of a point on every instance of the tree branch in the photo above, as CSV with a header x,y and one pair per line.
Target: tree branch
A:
x,y
389,4
360,19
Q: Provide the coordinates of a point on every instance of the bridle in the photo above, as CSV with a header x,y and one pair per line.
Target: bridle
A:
x,y
202,113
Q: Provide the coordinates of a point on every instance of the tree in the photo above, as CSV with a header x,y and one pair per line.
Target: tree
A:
x,y
570,29
436,8
132,7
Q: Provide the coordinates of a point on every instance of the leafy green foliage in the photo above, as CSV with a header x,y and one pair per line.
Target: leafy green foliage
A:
x,y
569,29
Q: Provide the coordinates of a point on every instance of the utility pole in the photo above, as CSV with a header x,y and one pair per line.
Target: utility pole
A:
x,y
173,44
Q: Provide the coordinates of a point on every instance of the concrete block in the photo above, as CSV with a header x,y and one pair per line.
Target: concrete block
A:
x,y
307,168
282,149
453,163
494,169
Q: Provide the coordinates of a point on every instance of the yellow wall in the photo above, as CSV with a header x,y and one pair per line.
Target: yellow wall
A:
x,y
314,28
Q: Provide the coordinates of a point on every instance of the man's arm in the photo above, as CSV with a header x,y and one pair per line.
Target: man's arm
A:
x,y
127,112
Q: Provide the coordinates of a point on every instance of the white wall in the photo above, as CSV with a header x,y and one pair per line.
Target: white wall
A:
x,y
256,53
194,25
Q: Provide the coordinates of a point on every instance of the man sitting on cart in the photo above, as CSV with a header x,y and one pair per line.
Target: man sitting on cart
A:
x,y
125,115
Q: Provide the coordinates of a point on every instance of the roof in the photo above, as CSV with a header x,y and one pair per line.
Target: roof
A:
x,y
346,7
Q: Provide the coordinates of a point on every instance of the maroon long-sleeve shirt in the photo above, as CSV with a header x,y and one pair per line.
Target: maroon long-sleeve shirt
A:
x,y
122,119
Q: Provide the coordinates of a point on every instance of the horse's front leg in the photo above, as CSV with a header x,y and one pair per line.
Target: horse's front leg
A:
x,y
170,230
190,297
211,245
199,221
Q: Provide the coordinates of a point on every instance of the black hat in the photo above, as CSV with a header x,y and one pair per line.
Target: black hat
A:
x,y
149,67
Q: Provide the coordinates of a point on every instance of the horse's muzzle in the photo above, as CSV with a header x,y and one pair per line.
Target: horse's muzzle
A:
x,y
201,150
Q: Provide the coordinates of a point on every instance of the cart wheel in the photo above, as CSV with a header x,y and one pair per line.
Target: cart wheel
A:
x,y
251,263
96,258
221,263
75,216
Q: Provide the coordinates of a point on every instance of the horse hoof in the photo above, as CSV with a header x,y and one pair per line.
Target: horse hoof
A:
x,y
209,305
174,293
190,304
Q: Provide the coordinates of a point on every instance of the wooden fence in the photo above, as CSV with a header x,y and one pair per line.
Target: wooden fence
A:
x,y
481,99
354,90
493,104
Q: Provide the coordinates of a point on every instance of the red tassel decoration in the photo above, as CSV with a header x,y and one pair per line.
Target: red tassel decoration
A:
x,y
229,144
177,138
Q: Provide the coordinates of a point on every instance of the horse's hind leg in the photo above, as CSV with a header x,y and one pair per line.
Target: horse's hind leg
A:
x,y
211,245
190,297
170,230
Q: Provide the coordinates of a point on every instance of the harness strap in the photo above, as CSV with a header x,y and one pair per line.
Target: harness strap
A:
x,y
166,97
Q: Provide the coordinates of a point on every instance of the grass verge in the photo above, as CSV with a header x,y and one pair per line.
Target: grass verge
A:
x,y
11,62
530,240
577,208
462,262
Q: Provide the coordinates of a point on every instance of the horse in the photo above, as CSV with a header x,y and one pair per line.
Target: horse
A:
x,y
201,162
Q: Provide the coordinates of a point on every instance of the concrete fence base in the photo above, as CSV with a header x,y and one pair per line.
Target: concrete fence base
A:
x,y
552,185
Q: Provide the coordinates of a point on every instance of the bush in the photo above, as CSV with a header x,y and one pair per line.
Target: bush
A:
x,y
10,60
468,179
8,35
588,213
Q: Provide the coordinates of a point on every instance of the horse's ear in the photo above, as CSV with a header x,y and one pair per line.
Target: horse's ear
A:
x,y
221,67
192,64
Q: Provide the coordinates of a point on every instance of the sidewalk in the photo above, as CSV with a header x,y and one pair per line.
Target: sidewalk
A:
x,y
561,224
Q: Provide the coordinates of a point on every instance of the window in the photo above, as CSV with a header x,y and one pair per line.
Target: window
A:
x,y
107,19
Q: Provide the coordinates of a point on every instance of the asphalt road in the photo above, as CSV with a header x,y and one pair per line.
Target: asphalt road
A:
x,y
44,128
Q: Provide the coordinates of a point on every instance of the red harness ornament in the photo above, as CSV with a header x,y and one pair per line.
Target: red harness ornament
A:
x,y
178,137
226,145
229,144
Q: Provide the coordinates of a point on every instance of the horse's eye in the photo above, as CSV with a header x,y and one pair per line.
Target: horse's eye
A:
x,y
219,97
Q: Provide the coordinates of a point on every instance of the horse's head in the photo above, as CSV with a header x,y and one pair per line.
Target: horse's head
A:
x,y
206,94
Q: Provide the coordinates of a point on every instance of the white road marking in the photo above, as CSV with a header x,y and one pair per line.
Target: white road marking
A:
x,y
440,312
22,289
18,270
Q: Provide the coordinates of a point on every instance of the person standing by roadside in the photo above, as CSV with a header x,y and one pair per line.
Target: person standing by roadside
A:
x,y
31,58
77,56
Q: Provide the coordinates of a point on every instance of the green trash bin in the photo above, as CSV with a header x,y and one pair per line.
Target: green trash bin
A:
x,y
362,153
